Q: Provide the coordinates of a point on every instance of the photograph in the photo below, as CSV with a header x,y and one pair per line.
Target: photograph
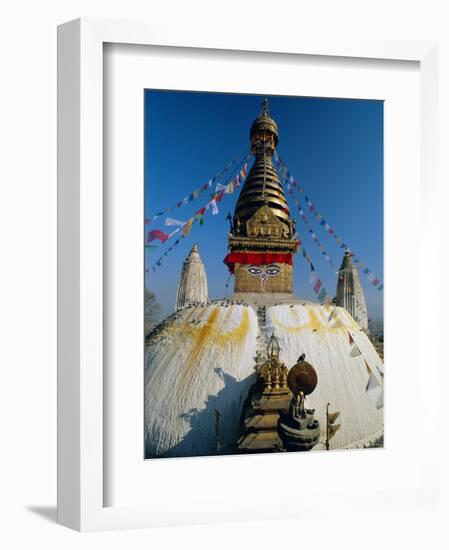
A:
x,y
263,274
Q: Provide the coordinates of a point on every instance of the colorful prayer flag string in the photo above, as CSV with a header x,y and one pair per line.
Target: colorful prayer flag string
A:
x,y
186,227
306,222
157,234
286,175
195,194
315,281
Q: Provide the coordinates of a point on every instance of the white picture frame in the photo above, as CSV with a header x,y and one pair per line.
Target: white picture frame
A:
x,y
80,266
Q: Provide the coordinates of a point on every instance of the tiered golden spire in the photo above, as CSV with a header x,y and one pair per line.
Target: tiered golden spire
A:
x,y
262,185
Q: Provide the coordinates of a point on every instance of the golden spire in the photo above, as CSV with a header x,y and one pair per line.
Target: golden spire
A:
x,y
262,186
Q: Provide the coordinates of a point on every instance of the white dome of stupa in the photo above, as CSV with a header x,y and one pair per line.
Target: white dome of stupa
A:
x,y
203,360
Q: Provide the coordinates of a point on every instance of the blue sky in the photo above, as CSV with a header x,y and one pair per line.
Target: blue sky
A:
x,y
333,147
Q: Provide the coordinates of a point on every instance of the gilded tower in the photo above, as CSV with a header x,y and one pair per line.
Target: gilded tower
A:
x,y
262,239
192,285
350,293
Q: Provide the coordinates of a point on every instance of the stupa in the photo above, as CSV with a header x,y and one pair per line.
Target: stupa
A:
x,y
202,364
192,285
350,293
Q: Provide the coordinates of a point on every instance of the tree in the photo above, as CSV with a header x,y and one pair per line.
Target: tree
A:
x,y
152,311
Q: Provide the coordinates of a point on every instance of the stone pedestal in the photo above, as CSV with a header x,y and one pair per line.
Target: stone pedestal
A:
x,y
298,429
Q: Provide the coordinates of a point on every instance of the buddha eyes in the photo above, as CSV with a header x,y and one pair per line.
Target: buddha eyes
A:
x,y
269,270
273,270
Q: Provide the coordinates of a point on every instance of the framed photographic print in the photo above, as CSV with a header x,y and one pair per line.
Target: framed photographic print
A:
x,y
230,286
251,360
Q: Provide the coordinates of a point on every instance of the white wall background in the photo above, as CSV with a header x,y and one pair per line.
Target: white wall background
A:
x,y
28,265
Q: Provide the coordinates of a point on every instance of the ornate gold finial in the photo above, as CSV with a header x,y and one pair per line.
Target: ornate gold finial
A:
x,y
273,348
273,372
264,131
265,111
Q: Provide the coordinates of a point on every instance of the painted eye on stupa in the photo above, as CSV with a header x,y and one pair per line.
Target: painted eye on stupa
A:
x,y
273,270
254,270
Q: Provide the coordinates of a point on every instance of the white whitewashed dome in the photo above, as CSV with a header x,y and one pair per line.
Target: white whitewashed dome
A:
x,y
203,359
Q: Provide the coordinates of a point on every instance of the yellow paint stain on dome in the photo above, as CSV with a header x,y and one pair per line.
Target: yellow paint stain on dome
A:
x,y
344,320
295,316
202,336
317,321
186,327
236,336
207,336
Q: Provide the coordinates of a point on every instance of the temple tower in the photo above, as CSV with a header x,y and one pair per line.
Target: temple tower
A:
x,y
350,293
262,238
192,285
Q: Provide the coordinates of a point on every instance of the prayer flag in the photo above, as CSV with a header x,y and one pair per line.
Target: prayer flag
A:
x,y
322,295
171,221
220,187
213,203
372,382
333,430
317,286
156,234
332,417
355,352
187,227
